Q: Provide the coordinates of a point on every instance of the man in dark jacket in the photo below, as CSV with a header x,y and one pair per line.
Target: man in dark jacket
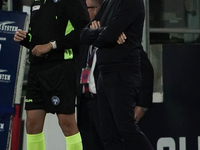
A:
x,y
53,40
87,104
119,65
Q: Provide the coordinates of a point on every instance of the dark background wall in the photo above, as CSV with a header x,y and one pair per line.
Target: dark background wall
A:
x,y
179,114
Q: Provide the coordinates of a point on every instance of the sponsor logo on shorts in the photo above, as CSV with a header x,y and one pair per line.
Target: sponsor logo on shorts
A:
x,y
55,100
28,100
1,127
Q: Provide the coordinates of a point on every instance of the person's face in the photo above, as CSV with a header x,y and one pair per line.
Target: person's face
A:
x,y
92,8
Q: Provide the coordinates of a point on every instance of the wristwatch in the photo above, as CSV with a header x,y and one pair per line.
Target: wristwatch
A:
x,y
53,43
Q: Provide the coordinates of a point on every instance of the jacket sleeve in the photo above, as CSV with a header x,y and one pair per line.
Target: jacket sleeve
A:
x,y
78,15
128,12
88,35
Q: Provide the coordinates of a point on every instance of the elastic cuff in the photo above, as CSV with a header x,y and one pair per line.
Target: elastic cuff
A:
x,y
73,139
35,137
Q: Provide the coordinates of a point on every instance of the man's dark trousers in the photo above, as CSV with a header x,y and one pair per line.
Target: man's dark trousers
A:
x,y
117,95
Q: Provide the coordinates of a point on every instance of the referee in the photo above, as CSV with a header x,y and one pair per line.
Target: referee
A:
x,y
53,41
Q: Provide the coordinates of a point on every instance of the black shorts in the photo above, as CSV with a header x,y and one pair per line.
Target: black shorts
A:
x,y
53,89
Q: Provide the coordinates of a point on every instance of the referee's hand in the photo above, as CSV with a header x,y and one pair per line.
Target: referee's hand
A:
x,y
20,35
39,50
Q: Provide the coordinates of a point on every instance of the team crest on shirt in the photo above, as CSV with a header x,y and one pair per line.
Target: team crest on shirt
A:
x,y
55,100
55,1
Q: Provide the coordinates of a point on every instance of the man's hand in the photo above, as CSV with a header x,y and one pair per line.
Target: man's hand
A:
x,y
121,38
39,50
95,24
139,113
20,35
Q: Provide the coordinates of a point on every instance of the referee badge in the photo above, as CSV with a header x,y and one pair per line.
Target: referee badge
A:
x,y
56,1
55,100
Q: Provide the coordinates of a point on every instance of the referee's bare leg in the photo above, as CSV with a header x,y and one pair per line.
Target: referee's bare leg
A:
x,y
34,127
69,127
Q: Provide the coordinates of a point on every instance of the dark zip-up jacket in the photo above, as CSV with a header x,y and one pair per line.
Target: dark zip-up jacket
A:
x,y
117,16
49,21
